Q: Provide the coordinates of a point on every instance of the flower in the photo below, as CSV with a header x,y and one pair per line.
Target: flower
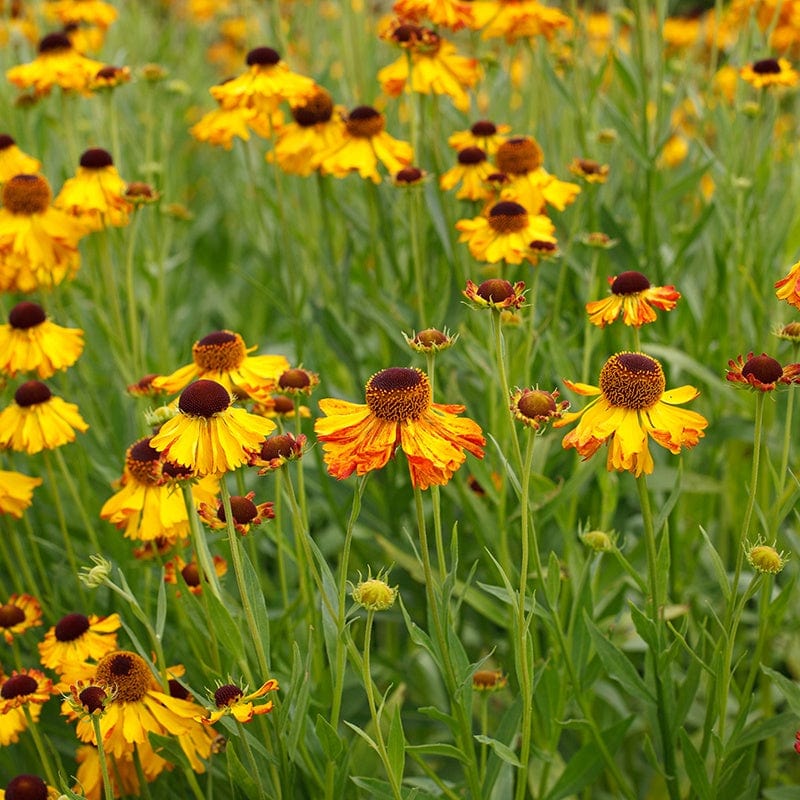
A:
x,y
38,243
190,572
590,171
790,332
789,287
14,722
96,195
375,594
89,775
297,381
431,340
632,406
278,450
31,343
246,514
222,356
770,72
488,680
471,172
28,787
520,19
109,77
16,492
13,161
22,687
599,541
483,134
76,637
534,408
797,742
409,177
278,405
18,614
633,297
764,558
363,144
38,420
220,126
453,14
230,699
90,12
505,233
762,372
208,435
496,293
363,437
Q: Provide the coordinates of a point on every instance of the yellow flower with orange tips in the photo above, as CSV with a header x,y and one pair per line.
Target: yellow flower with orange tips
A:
x,y
233,700
452,14
13,161
788,288
495,293
364,144
76,637
634,298
38,243
16,492
398,411
89,12
430,65
246,513
96,195
521,19
14,722
770,72
208,435
471,172
38,420
57,64
222,356
24,687
19,613
222,125
505,233
630,407
30,342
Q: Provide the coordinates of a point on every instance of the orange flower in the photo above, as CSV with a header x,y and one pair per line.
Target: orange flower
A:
x,y
789,287
770,72
762,372
633,297
230,699
363,437
19,613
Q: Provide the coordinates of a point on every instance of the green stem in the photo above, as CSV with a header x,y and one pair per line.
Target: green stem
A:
x,y
108,792
91,528
134,335
202,553
415,224
256,771
41,749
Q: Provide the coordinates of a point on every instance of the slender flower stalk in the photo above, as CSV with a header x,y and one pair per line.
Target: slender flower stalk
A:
x,y
198,537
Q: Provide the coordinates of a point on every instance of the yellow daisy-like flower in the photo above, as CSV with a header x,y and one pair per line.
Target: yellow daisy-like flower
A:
x,y
57,64
31,343
634,298
590,171
230,699
24,687
14,722
246,513
208,435
519,19
630,407
109,77
38,420
222,125
16,492
278,405
190,572
13,161
96,195
89,775
471,173
223,357
483,133
76,637
18,614
38,243
363,145
505,233
770,72
452,14
398,411
89,12
788,288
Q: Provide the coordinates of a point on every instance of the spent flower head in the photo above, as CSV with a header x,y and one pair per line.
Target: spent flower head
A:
x,y
761,372
430,340
496,293
534,408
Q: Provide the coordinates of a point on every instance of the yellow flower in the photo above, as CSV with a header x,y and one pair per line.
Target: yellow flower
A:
x,y
76,637
208,435
375,594
13,161
631,406
90,12
38,420
770,72
15,722
96,195
506,233
363,437
109,77
18,614
16,492
38,243
223,357
764,558
453,14
633,297
278,450
230,699
788,288
31,343
521,19
24,687
220,126
363,145
590,171
471,172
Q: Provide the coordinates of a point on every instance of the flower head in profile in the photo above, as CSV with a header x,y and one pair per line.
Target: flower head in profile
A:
x,y
634,298
38,420
398,411
761,372
488,680
297,382
13,161
16,492
281,406
278,450
222,356
190,572
23,687
535,408
788,288
770,72
76,637
109,77
246,513
469,174
631,406
483,134
588,170
30,342
18,614
496,293
231,699
209,435
431,340
452,14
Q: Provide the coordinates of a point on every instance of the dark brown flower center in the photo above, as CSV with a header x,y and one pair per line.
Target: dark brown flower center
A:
x,y
26,315
486,678
227,695
542,248
127,672
282,404
204,399
243,509
31,393
26,194
191,574
536,403
221,351
589,167
508,217
53,42
92,698
398,394
6,141
177,690
26,787
262,57
632,380
431,337
18,686
495,290
763,368
767,66
139,189
471,155
409,175
630,282
278,446
314,109
71,626
11,615
294,379
519,155
483,128
96,158
404,34
364,122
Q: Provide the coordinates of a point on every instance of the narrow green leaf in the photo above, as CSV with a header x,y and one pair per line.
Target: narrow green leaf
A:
x,y
255,595
666,509
444,750
789,689
719,567
553,583
329,739
161,606
695,767
504,752
763,729
396,746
